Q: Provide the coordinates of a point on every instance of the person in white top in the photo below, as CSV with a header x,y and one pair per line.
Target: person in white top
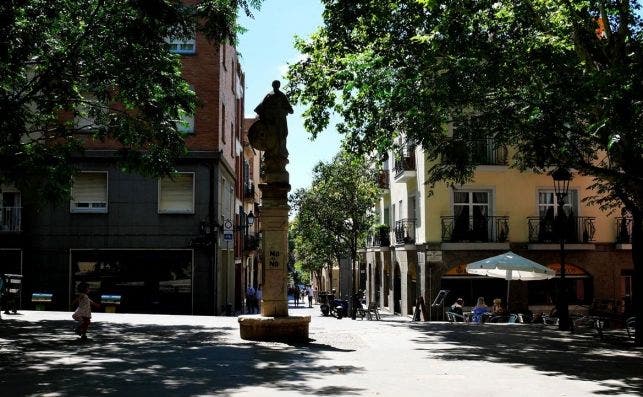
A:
x,y
83,313
309,292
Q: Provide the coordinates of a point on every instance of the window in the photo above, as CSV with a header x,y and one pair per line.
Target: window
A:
x,y
471,211
179,46
223,123
89,192
186,124
10,211
387,216
176,194
414,208
548,203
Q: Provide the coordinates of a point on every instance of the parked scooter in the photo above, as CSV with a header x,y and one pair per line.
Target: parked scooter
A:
x,y
333,307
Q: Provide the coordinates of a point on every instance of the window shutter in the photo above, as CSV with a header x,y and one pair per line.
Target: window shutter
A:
x,y
177,195
89,191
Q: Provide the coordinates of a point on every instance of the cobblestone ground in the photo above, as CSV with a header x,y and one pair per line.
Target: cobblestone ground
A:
x,y
157,355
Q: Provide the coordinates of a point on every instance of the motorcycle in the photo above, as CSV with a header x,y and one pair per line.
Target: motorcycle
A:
x,y
330,306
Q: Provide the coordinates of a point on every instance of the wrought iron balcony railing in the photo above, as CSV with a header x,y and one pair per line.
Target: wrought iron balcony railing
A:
x,y
404,163
405,231
482,229
624,230
487,152
575,229
251,242
379,238
10,219
248,191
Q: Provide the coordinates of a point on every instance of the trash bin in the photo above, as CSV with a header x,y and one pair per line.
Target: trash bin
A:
x,y
12,285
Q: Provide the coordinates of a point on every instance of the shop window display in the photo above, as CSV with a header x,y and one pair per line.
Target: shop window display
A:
x,y
148,281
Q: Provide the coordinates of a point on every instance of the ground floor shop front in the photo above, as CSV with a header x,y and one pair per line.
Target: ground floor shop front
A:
x,y
147,280
396,276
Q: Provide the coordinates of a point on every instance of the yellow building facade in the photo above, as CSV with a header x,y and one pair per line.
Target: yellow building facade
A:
x,y
433,233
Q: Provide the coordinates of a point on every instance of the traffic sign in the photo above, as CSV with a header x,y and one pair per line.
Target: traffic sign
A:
x,y
228,230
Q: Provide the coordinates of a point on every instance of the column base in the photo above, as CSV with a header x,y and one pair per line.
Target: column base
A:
x,y
274,329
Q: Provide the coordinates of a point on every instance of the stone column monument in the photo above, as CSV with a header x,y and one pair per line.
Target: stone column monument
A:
x,y
269,135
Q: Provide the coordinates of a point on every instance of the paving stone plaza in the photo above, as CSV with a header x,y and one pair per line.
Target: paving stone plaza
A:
x,y
157,355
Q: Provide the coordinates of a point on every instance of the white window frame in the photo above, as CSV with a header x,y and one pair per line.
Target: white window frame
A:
x,y
93,207
470,204
175,46
572,194
171,211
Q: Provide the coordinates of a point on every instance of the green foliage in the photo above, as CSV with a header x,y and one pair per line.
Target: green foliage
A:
x,y
531,74
334,213
101,60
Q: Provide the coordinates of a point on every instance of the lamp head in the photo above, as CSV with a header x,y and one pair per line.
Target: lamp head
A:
x,y
561,177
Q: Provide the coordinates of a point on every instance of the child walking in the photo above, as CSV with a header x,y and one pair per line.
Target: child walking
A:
x,y
83,313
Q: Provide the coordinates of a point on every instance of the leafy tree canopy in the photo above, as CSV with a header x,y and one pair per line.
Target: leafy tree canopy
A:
x,y
559,80
106,61
334,214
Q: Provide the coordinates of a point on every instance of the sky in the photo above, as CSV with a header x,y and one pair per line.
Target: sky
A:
x,y
265,49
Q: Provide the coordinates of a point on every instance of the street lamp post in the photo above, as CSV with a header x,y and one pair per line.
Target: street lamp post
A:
x,y
562,177
249,221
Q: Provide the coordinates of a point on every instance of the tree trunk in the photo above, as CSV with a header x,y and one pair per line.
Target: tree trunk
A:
x,y
637,281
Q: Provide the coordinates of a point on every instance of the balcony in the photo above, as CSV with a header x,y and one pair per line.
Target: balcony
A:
x,y
379,238
405,166
576,229
487,152
10,219
478,229
405,231
251,242
383,180
248,191
623,233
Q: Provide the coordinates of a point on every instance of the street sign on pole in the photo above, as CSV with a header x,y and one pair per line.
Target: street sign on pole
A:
x,y
227,230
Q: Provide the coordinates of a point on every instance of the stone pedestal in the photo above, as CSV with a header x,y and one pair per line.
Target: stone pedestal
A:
x,y
275,329
274,324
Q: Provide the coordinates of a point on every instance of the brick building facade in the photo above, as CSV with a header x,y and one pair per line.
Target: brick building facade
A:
x,y
157,243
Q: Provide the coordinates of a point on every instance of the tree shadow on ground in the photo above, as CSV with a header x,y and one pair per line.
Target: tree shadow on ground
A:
x,y
125,359
613,363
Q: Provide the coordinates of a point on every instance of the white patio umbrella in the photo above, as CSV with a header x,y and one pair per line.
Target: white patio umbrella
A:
x,y
510,267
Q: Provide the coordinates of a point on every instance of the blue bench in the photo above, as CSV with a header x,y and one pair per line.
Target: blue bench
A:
x,y
41,299
110,302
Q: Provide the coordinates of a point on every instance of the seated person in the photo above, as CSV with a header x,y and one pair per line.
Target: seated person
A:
x,y
479,311
457,309
497,308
